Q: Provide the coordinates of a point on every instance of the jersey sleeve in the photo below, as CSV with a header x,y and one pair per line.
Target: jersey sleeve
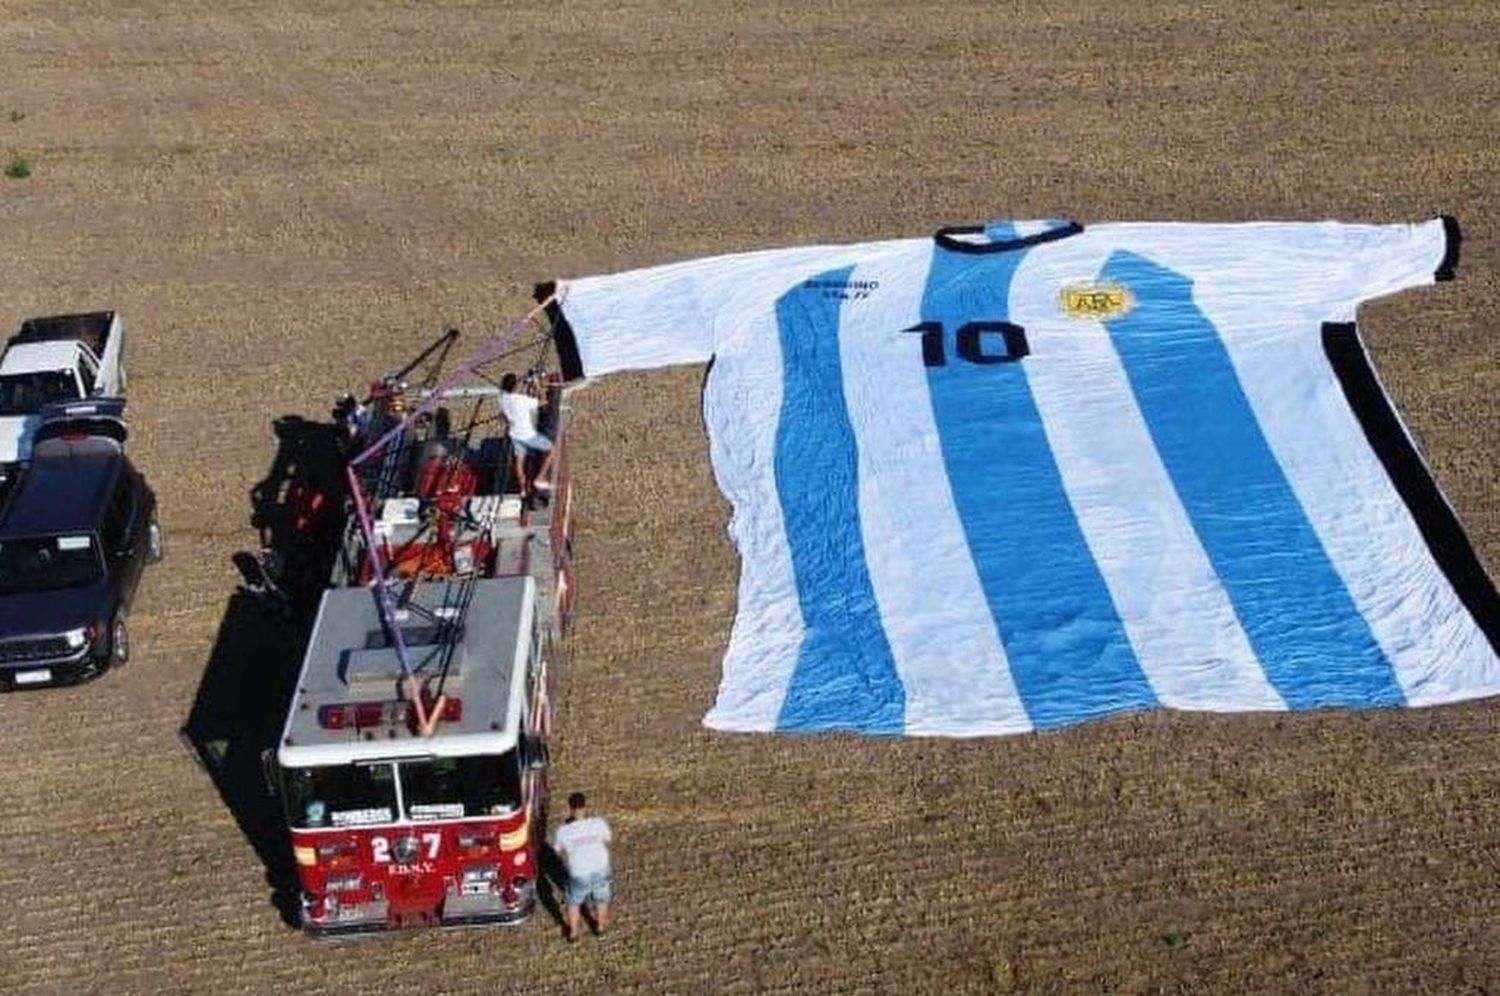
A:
x,y
1330,267
672,314
645,318
1352,263
1320,269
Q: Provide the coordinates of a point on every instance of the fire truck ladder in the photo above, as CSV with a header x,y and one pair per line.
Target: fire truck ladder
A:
x,y
384,479
448,620
458,588
389,472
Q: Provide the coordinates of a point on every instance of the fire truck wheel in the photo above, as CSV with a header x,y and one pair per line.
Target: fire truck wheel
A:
x,y
156,545
119,643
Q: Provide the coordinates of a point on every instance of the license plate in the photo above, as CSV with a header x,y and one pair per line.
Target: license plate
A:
x,y
39,676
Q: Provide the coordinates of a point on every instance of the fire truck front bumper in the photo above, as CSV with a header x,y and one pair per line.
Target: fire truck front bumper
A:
x,y
327,917
510,905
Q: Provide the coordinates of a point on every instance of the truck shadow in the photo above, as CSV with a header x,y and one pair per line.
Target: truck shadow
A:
x,y
252,671
551,883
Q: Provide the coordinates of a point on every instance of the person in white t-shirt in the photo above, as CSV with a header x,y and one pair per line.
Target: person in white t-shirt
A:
x,y
583,844
520,411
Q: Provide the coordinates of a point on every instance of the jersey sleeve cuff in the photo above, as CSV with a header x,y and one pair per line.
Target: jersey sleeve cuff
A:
x,y
1452,238
568,357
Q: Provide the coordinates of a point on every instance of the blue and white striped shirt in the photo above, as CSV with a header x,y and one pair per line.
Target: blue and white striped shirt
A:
x,y
1020,476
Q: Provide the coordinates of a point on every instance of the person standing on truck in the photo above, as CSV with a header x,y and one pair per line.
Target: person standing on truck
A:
x,y
583,844
520,412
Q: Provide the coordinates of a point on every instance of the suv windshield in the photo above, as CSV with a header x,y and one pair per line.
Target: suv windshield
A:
x,y
345,795
446,788
25,394
47,563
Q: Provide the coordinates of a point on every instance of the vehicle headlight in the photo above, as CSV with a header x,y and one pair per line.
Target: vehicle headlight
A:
x,y
77,637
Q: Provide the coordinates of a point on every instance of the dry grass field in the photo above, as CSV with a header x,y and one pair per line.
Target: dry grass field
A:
x,y
286,198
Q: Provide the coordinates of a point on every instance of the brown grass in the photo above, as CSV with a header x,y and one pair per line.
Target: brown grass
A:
x,y
284,201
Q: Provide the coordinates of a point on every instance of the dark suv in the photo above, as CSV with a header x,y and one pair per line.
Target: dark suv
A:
x,y
77,527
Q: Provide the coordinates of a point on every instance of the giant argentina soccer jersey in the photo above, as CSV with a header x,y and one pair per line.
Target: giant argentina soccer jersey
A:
x,y
1021,475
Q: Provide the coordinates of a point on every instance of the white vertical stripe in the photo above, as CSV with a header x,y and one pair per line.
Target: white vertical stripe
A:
x,y
742,409
1180,621
936,618
742,412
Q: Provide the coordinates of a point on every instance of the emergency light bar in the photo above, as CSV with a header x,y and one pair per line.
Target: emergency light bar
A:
x,y
360,715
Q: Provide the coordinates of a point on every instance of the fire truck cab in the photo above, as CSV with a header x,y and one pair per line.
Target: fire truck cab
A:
x,y
390,827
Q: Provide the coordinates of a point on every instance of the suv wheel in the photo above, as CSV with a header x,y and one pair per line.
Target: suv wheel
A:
x,y
156,545
119,643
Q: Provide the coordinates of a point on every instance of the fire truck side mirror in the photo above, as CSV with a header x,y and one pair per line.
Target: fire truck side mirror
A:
x,y
268,769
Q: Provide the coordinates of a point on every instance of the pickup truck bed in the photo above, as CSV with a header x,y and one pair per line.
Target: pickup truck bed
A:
x,y
91,329
57,358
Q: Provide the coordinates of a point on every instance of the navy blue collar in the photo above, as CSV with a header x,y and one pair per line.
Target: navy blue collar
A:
x,y
948,238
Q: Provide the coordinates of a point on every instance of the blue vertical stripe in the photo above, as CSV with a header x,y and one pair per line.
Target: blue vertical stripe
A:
x,y
1316,648
845,675
1068,651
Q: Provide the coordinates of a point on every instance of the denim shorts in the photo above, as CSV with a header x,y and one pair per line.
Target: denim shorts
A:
x,y
532,444
599,887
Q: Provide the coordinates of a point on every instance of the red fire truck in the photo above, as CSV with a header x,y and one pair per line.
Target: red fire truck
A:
x,y
413,762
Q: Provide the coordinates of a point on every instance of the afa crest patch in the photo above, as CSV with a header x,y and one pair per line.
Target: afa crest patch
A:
x,y
1095,301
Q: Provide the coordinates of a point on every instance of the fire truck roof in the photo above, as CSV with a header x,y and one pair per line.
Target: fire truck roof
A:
x,y
471,640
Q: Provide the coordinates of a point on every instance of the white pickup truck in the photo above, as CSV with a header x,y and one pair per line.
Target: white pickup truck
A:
x,y
60,358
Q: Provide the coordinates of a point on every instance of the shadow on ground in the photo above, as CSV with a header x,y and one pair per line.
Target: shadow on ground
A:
x,y
298,509
551,883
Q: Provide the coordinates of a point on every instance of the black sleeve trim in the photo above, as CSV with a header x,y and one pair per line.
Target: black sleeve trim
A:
x,y
1433,515
947,238
562,332
1453,237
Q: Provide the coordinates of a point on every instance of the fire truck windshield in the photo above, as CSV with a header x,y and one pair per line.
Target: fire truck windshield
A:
x,y
444,788
339,796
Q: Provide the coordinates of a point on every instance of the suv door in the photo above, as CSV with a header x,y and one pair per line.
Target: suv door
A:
x,y
126,522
